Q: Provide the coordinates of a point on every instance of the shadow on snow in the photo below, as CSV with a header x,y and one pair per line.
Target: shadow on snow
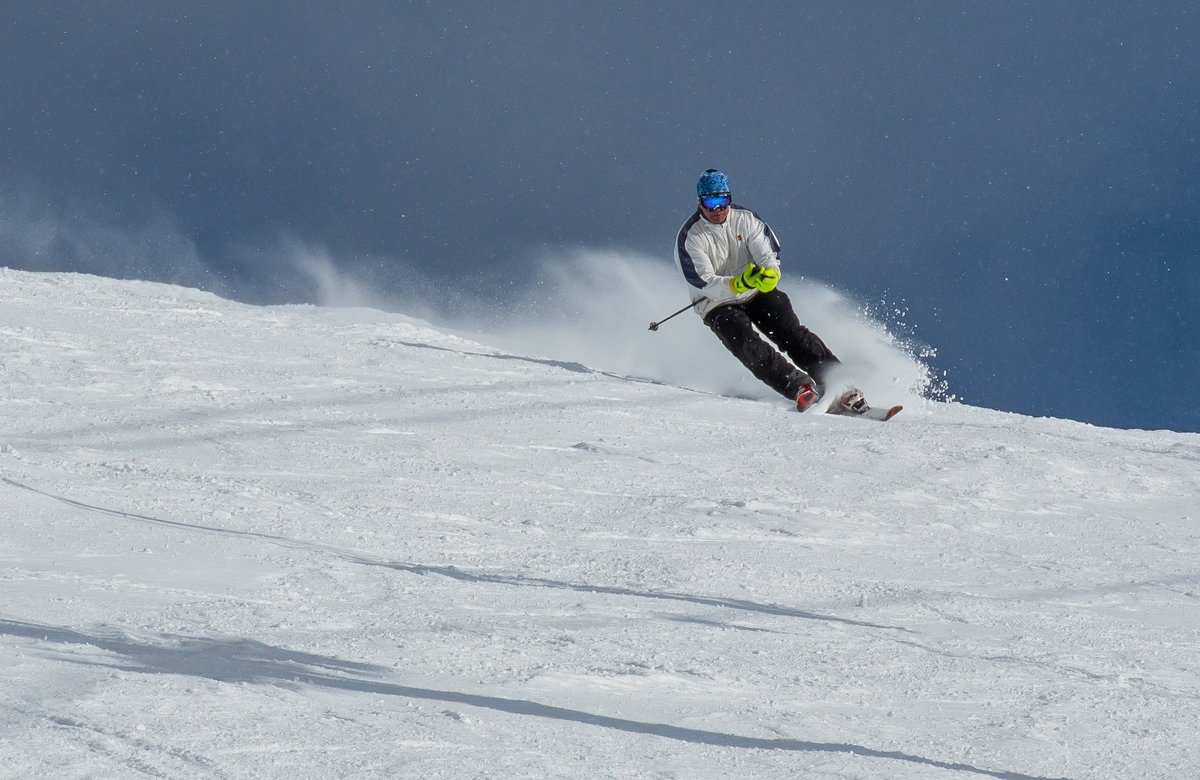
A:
x,y
461,575
250,661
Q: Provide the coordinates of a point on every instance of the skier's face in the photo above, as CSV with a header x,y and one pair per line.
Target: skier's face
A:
x,y
716,216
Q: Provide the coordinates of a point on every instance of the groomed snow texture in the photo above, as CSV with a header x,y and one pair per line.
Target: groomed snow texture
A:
x,y
241,542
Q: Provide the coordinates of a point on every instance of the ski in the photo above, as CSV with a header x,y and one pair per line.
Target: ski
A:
x,y
881,414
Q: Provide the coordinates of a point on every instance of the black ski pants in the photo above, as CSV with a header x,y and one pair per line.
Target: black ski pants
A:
x,y
771,313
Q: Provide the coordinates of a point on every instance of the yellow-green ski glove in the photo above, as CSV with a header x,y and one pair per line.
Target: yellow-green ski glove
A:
x,y
767,279
748,279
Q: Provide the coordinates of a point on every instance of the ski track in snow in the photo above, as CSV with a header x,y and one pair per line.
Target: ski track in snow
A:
x,y
262,542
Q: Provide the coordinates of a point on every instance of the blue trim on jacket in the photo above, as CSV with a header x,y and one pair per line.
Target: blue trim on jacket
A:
x,y
767,229
685,260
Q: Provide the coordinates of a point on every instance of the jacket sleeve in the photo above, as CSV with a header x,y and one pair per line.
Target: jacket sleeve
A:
x,y
698,268
762,243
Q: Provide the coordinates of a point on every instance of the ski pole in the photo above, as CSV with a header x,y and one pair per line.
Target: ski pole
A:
x,y
654,325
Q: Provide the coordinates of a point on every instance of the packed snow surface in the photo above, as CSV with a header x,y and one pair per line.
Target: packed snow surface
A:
x,y
288,542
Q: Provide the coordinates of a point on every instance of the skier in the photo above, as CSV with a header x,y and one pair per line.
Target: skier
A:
x,y
730,260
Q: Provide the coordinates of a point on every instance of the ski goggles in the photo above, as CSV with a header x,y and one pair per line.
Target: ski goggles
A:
x,y
716,202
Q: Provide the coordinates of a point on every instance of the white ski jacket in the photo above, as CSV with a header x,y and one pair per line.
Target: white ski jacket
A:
x,y
710,255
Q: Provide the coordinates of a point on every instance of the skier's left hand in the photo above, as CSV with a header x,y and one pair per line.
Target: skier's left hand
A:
x,y
758,277
767,279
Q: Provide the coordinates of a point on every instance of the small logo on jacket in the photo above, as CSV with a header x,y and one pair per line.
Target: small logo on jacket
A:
x,y
739,236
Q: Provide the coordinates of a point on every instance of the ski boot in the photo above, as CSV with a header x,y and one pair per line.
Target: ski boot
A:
x,y
850,402
807,396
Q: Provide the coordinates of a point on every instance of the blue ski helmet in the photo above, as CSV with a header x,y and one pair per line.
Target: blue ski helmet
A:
x,y
712,182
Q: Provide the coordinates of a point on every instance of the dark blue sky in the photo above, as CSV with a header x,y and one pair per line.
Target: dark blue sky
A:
x,y
1022,177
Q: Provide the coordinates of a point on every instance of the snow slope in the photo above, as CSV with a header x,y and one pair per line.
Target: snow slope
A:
x,y
291,542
